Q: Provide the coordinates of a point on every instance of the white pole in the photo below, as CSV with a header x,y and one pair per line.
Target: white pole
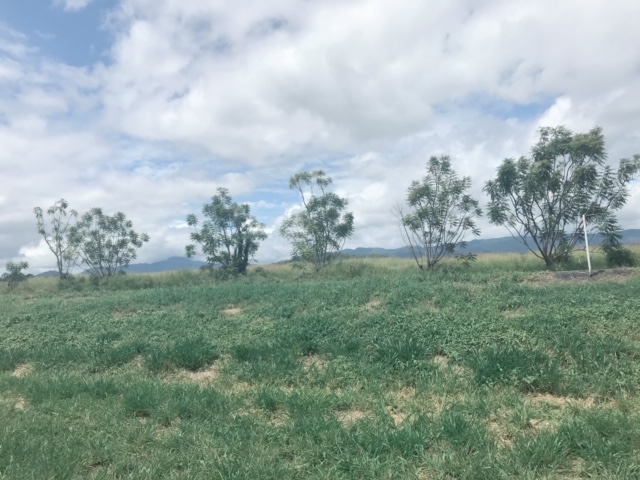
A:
x,y
586,241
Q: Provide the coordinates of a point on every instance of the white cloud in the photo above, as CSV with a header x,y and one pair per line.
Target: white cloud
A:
x,y
72,5
200,94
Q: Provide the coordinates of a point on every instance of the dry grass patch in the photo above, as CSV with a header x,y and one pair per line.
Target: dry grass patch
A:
x,y
397,414
23,370
351,416
559,401
278,418
435,404
442,362
201,377
503,436
373,305
127,312
232,310
314,362
515,313
14,402
163,431
539,424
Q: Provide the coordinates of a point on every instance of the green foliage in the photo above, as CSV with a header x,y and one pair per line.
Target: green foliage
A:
x,y
194,353
525,369
14,274
318,232
542,199
619,256
191,353
105,244
57,238
229,237
441,214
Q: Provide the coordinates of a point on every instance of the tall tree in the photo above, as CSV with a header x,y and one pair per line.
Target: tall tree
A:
x,y
542,199
229,236
441,214
106,245
317,233
56,236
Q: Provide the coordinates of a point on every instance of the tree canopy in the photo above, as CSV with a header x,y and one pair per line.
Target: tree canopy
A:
x,y
541,199
106,244
229,237
440,214
318,232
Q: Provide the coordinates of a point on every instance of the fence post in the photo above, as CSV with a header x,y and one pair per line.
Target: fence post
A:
x,y
586,242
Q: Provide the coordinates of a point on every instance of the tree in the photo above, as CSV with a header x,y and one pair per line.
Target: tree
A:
x,y
57,238
318,232
106,245
541,200
14,274
230,235
441,214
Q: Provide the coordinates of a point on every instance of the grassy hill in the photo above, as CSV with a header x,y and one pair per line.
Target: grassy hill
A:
x,y
370,370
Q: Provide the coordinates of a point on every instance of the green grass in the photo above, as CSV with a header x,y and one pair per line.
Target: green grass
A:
x,y
369,370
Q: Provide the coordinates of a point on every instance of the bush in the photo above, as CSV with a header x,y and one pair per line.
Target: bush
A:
x,y
14,274
620,257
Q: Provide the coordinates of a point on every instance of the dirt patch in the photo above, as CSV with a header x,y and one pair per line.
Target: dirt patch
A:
x,y
397,415
23,370
232,310
201,377
349,417
502,435
540,424
314,362
163,431
373,305
277,419
441,361
609,274
515,313
559,401
12,400
127,312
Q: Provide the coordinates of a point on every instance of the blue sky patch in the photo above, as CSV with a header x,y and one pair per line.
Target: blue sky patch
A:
x,y
73,37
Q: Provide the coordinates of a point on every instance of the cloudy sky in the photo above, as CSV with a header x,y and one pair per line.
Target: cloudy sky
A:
x,y
147,106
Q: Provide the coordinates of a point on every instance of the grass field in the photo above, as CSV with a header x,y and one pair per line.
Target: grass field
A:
x,y
370,370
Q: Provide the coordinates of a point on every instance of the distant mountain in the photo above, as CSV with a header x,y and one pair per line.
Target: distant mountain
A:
x,y
168,265
488,245
172,263
48,273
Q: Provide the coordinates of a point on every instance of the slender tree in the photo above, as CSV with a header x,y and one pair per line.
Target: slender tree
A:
x,y
229,236
56,235
317,233
440,215
542,199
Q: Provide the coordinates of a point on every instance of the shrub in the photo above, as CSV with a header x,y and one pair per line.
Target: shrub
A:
x,y
620,257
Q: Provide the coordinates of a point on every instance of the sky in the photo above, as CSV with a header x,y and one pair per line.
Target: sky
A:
x,y
148,106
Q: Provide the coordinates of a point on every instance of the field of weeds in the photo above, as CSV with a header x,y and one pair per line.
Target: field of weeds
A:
x,y
370,371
